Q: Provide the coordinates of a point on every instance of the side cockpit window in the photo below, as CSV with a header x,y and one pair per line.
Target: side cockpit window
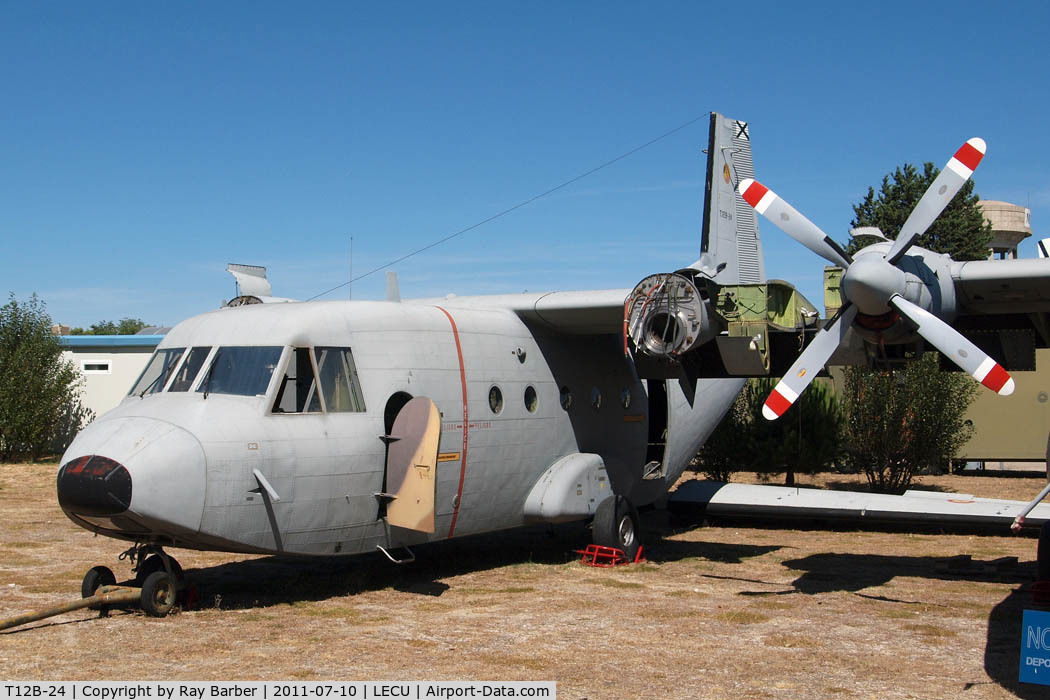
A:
x,y
324,380
157,372
297,392
188,370
240,371
339,384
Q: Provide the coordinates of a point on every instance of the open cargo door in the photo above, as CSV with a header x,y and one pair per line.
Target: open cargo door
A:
x,y
411,466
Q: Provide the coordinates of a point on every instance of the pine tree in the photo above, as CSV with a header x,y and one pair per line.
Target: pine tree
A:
x,y
960,230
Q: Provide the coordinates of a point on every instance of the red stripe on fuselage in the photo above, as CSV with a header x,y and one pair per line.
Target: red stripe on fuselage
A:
x,y
466,421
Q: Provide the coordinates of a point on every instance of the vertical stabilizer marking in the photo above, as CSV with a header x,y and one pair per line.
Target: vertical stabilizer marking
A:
x,y
466,421
730,231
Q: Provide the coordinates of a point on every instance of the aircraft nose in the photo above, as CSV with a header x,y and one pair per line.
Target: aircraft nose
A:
x,y
135,474
94,485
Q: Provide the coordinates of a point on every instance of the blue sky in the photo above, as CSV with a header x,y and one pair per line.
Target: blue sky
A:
x,y
145,145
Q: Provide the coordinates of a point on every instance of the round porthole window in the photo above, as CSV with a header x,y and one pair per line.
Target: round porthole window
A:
x,y
530,399
495,399
566,398
596,398
625,397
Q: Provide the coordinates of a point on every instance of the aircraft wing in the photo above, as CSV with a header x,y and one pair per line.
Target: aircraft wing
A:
x,y
588,312
1002,286
715,499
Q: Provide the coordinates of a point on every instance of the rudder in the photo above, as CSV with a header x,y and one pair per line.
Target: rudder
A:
x,y
730,229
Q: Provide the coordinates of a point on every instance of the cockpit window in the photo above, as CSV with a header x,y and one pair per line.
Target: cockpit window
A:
x,y
321,374
241,371
298,390
339,382
157,372
189,369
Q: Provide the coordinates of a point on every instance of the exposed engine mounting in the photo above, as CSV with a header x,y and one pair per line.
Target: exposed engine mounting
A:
x,y
666,316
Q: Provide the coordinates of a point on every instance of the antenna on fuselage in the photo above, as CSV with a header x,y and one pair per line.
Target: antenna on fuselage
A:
x,y
393,293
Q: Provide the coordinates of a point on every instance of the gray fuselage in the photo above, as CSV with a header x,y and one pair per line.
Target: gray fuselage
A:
x,y
198,459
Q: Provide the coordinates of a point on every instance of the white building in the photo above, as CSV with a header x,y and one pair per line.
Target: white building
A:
x,y
110,364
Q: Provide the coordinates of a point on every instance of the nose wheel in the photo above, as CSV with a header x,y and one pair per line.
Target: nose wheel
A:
x,y
159,561
94,579
158,578
159,591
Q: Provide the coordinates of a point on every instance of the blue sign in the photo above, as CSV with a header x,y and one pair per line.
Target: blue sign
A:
x,y
1035,647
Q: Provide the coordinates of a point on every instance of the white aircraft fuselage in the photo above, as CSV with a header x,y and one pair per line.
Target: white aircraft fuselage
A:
x,y
219,468
320,428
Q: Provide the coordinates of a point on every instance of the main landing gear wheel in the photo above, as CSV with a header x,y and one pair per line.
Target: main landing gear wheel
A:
x,y
96,578
158,594
616,525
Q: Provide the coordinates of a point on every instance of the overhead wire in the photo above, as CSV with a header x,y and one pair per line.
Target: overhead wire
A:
x,y
517,206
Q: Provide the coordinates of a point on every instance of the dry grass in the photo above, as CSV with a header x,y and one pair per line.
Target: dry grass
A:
x,y
718,612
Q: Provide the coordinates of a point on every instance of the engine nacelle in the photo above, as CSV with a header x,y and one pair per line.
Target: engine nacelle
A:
x,y
667,316
922,277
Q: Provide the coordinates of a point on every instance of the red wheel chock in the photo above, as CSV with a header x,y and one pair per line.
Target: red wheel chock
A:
x,y
597,555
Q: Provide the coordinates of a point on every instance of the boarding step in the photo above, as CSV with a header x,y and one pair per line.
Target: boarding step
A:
x,y
653,470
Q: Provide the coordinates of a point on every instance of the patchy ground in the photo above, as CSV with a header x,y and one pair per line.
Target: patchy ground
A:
x,y
717,612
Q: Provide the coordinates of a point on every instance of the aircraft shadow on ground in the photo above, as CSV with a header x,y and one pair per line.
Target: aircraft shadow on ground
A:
x,y
278,580
284,580
827,573
1002,649
269,581
831,572
664,550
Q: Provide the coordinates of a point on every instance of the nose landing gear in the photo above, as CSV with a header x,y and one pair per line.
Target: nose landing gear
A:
x,y
158,595
158,583
158,577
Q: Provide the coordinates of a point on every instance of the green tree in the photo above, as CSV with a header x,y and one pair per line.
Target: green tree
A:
x,y
39,391
960,230
904,421
720,455
126,326
806,439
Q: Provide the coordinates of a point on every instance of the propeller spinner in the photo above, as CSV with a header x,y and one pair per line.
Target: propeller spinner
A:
x,y
874,284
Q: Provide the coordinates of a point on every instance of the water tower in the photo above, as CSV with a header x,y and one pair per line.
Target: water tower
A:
x,y
1011,224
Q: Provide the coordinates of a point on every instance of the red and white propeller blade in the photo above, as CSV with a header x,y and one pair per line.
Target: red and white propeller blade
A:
x,y
767,203
970,358
808,364
945,186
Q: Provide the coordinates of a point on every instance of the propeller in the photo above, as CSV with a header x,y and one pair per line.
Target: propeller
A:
x,y
874,285
766,202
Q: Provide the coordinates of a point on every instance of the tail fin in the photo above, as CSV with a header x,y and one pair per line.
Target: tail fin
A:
x,y
730,233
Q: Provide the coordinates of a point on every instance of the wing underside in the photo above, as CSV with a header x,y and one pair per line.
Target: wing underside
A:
x,y
1003,286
